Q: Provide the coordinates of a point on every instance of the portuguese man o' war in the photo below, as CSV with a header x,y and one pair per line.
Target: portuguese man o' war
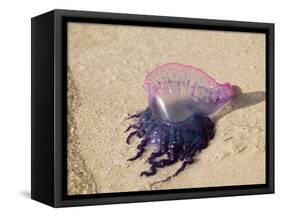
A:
x,y
177,120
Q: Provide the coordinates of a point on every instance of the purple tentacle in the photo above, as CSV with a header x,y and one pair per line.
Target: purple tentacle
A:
x,y
165,162
159,153
133,126
183,166
136,115
158,164
151,172
131,135
140,148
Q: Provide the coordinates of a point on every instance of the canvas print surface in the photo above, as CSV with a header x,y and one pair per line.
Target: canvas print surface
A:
x,y
153,108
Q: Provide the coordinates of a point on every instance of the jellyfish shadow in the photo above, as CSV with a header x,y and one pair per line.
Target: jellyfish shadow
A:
x,y
240,101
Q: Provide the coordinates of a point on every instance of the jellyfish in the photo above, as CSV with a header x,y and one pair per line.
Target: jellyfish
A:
x,y
177,120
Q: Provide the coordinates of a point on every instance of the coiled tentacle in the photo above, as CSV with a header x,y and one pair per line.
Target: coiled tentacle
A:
x,y
177,141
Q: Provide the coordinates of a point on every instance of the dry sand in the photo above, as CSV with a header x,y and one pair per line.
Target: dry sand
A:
x,y
106,68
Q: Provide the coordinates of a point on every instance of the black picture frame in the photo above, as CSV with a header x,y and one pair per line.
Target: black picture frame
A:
x,y
49,108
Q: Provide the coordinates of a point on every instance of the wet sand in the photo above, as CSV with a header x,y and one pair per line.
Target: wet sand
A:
x,y
106,69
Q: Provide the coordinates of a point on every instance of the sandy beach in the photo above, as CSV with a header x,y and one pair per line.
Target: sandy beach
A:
x,y
107,65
